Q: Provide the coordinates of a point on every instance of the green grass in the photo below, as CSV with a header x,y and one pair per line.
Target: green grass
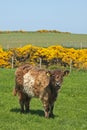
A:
x,y
70,108
13,39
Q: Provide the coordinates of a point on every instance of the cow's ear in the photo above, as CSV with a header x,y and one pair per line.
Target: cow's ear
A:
x,y
66,72
48,73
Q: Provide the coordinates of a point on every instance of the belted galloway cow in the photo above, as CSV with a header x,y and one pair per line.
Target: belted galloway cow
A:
x,y
31,81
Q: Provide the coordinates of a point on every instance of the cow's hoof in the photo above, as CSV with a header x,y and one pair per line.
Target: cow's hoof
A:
x,y
22,112
46,115
51,115
27,111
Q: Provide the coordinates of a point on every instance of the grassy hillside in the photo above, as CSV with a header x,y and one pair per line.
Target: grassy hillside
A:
x,y
18,39
70,108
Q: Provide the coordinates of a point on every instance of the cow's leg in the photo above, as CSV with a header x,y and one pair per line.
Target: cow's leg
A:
x,y
51,110
46,107
21,101
27,104
47,110
22,106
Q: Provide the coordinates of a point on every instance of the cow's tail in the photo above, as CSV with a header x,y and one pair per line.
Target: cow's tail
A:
x,y
15,92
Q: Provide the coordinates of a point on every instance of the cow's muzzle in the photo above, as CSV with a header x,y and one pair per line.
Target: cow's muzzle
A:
x,y
57,85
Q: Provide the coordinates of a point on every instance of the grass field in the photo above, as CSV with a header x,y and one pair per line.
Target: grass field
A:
x,y
13,39
70,108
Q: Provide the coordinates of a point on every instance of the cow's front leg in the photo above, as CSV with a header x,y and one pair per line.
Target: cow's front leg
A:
x,y
51,110
46,106
45,98
47,110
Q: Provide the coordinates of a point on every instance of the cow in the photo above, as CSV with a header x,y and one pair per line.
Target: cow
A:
x,y
31,81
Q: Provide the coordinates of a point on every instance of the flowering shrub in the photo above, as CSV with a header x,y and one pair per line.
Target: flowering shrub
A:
x,y
4,58
51,55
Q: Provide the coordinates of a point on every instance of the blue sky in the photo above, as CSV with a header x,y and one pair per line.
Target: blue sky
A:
x,y
32,15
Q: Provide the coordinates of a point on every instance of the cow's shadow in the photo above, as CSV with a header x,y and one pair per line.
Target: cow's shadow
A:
x,y
33,112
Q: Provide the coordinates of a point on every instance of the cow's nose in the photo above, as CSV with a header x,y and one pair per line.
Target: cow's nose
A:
x,y
57,84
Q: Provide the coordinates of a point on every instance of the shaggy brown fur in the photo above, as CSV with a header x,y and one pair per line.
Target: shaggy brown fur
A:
x,y
31,82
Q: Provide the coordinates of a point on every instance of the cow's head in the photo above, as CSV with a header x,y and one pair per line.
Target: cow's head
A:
x,y
56,78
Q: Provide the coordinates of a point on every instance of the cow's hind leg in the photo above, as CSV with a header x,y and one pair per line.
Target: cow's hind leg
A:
x,y
22,106
27,104
21,101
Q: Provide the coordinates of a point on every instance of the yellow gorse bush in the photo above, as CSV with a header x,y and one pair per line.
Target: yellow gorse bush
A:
x,y
52,54
4,58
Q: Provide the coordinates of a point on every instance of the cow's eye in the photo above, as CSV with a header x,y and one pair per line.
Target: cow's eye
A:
x,y
57,77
